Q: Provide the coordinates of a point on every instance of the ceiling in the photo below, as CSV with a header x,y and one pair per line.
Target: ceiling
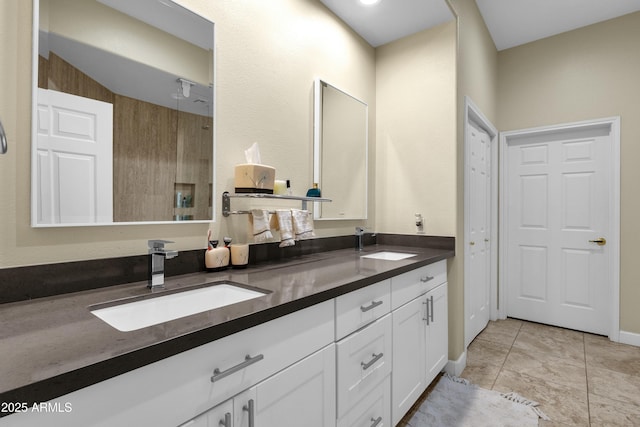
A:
x,y
510,22
515,22
390,20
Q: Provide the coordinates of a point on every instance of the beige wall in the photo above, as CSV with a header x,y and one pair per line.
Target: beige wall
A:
x,y
417,148
416,133
588,73
268,55
477,78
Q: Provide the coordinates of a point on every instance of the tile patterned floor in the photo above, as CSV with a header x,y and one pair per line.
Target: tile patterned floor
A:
x,y
579,379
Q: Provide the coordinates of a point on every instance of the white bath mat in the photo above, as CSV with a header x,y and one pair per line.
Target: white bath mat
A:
x,y
454,402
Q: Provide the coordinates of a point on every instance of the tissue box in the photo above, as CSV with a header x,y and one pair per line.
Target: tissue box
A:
x,y
253,178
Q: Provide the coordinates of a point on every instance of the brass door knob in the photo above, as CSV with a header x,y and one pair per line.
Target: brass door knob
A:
x,y
472,243
600,241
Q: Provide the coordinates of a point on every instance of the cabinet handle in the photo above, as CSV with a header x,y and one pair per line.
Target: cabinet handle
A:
x,y
367,365
426,279
431,311
227,420
3,140
250,409
371,306
248,360
376,421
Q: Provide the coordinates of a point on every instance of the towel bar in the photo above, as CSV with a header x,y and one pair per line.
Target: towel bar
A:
x,y
3,140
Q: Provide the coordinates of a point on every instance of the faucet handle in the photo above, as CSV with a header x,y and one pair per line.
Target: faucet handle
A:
x,y
359,231
158,244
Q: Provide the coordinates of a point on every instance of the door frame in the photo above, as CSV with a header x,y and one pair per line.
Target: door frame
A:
x,y
614,210
473,114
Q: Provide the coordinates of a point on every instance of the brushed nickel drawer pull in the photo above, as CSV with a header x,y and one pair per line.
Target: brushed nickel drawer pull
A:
x,y
3,140
367,365
248,360
426,279
431,311
376,421
371,306
227,420
249,407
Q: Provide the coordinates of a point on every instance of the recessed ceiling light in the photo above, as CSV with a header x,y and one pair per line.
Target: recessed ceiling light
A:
x,y
369,2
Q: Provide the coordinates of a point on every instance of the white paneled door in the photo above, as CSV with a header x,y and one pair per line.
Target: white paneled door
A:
x,y
479,244
558,218
73,159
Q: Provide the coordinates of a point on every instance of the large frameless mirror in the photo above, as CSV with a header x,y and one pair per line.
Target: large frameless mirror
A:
x,y
123,107
340,153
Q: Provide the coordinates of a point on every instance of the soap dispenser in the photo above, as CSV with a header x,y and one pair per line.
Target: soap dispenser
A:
x,y
216,258
314,192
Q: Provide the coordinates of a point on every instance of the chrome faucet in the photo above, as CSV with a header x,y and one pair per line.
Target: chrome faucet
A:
x,y
359,234
157,255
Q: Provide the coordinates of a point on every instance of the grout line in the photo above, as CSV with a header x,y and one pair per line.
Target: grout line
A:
x,y
586,378
505,359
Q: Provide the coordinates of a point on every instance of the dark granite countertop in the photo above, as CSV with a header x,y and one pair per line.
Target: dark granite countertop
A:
x,y
52,346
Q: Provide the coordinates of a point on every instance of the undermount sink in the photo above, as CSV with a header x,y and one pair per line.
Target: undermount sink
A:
x,y
163,308
389,256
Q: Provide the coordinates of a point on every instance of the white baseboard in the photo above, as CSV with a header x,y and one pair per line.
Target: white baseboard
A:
x,y
455,367
630,338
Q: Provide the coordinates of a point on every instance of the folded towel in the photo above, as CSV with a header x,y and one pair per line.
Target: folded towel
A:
x,y
302,224
285,225
260,225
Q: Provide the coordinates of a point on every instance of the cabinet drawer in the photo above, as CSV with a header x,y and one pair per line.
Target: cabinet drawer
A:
x,y
372,410
364,360
412,284
359,308
173,390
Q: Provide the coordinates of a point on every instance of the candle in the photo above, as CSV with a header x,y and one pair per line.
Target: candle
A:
x,y
239,255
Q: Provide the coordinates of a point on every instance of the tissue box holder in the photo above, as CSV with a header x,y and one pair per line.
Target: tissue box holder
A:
x,y
253,178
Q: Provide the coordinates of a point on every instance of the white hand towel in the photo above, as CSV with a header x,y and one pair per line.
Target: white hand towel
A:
x,y
302,224
260,225
285,225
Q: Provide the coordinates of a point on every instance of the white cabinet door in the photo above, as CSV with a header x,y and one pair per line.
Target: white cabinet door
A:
x,y
437,331
234,412
409,359
301,395
220,416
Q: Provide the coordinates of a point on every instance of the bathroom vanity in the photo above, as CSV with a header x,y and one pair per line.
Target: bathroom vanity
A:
x,y
338,339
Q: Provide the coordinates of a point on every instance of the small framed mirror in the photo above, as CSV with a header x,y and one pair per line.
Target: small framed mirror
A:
x,y
340,154
123,113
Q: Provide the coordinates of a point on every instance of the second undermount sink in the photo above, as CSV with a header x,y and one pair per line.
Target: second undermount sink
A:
x,y
141,313
389,256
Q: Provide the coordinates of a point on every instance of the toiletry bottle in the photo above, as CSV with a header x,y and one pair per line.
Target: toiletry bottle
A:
x,y
289,193
314,192
215,258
